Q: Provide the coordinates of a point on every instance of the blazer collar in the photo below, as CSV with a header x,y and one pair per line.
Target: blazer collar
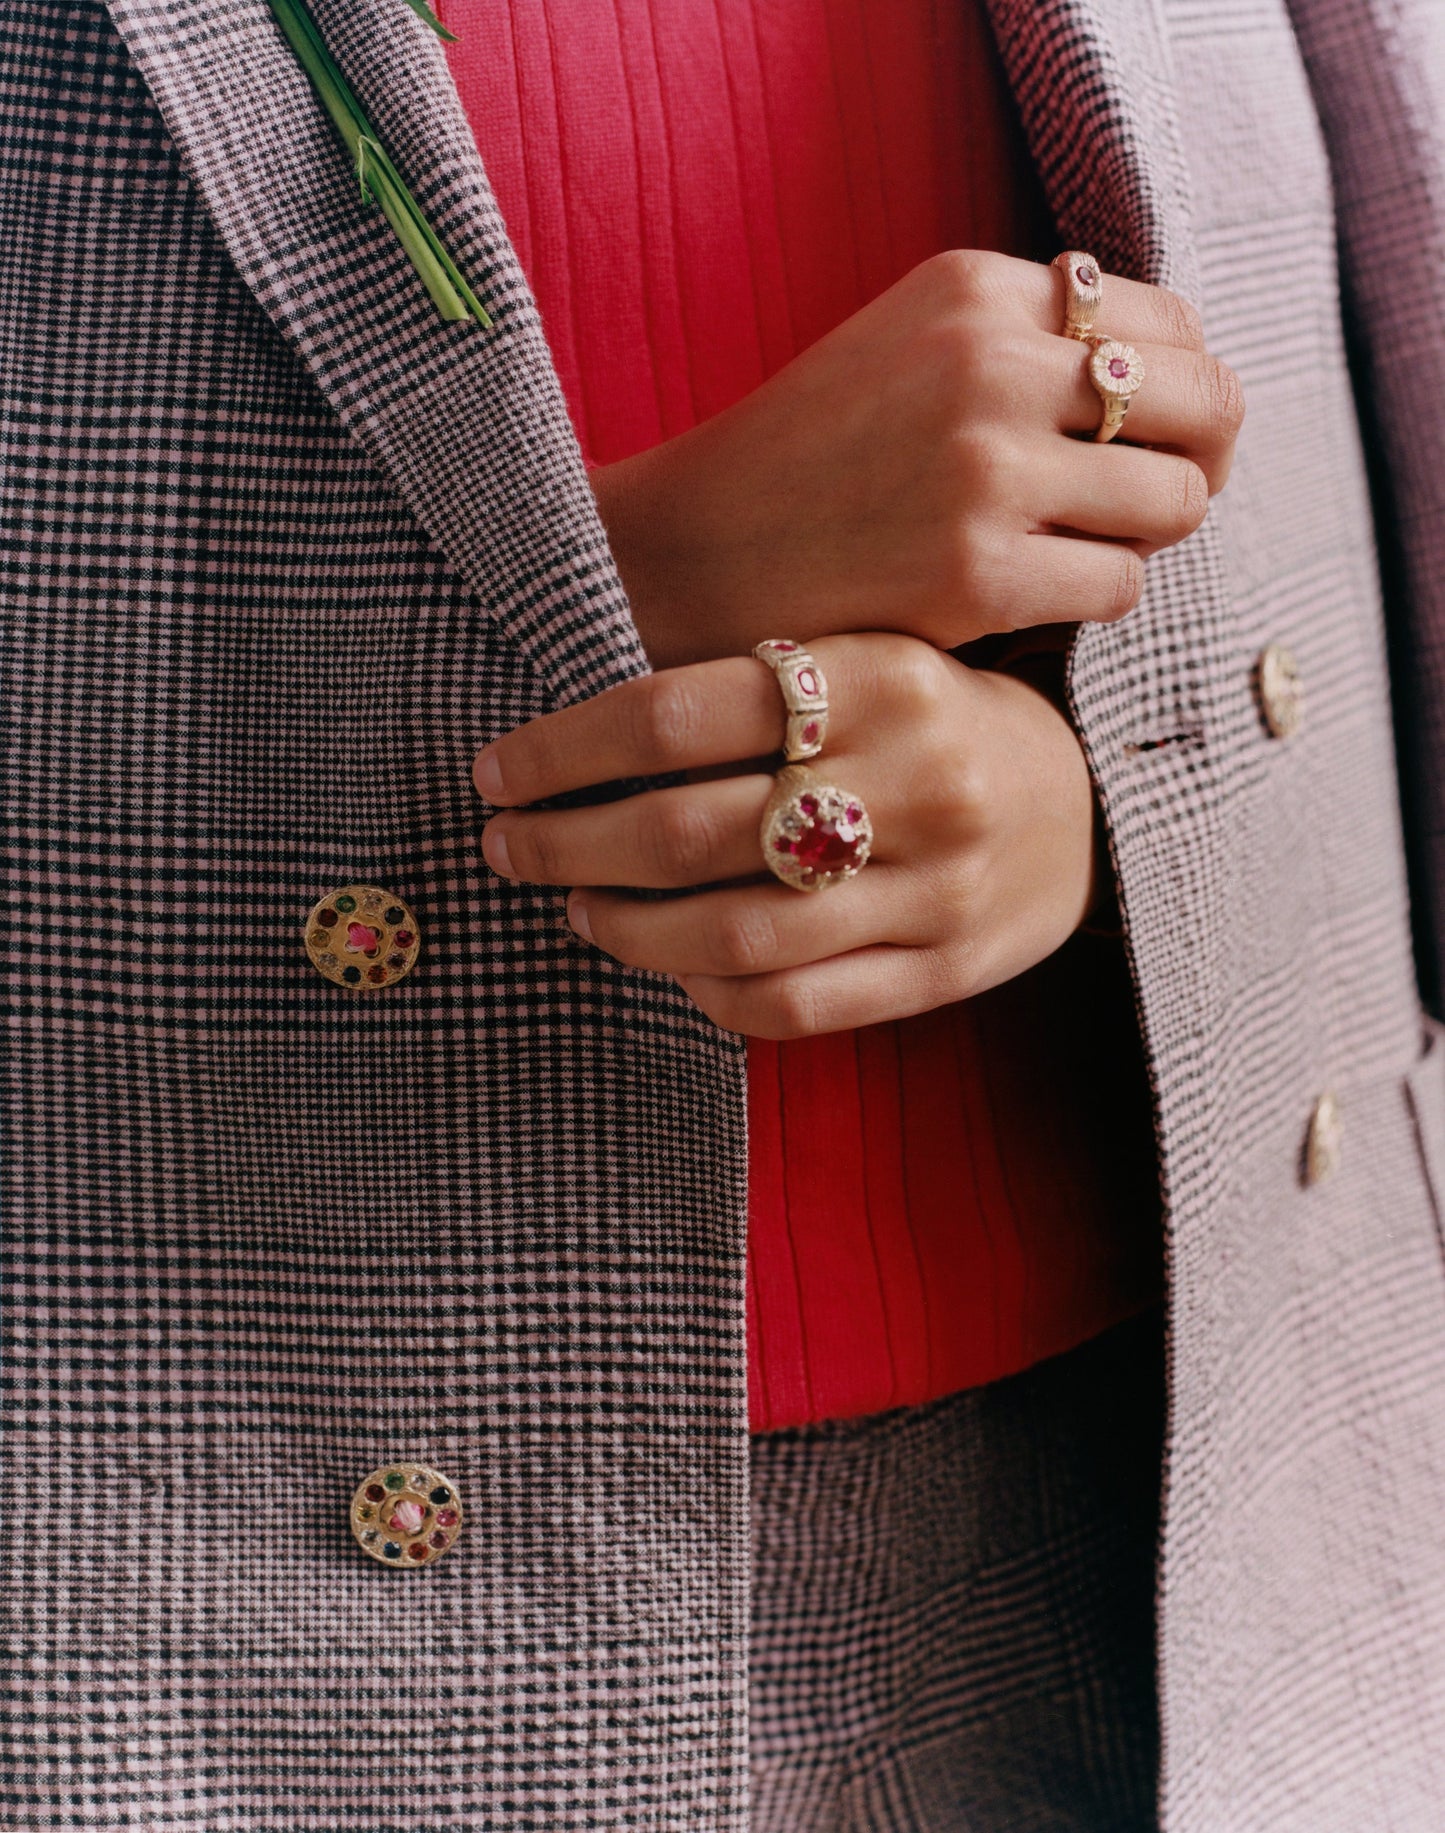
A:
x,y
1094,85
470,425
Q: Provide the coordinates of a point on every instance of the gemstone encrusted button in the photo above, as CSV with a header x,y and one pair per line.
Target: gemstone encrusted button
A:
x,y
406,1515
362,938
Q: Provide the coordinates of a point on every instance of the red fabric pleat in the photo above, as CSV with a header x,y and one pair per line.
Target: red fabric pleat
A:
x,y
698,190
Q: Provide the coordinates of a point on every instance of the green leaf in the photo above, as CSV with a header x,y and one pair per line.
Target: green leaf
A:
x,y
424,12
376,176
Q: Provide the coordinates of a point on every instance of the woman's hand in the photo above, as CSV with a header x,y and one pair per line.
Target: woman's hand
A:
x,y
978,792
914,470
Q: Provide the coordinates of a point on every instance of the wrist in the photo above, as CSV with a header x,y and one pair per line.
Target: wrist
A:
x,y
1039,657
661,557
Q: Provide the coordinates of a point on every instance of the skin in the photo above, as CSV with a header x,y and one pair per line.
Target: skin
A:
x,y
917,479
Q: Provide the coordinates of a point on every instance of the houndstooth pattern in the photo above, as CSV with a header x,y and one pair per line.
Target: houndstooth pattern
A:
x,y
283,550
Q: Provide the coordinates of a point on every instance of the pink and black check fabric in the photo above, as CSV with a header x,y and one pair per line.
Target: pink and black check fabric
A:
x,y
281,551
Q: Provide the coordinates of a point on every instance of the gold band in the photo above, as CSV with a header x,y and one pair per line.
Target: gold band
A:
x,y
1117,373
805,696
813,833
1083,292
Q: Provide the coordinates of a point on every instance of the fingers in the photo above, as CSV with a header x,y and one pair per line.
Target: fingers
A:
x,y
1131,309
1062,579
864,987
749,929
693,834
1123,493
1189,403
683,718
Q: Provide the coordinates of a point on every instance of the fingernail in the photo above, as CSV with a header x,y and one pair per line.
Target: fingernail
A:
x,y
577,917
487,774
494,850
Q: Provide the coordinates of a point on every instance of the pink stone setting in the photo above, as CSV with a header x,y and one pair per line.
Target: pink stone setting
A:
x,y
1117,369
818,838
407,1517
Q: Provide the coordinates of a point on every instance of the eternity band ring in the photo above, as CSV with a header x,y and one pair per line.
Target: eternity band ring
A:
x,y
805,696
813,834
1083,290
1117,373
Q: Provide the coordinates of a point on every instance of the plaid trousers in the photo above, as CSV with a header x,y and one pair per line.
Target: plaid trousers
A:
x,y
953,1607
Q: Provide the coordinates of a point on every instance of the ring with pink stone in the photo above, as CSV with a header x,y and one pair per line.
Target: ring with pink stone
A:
x,y
1083,292
1117,373
813,833
805,696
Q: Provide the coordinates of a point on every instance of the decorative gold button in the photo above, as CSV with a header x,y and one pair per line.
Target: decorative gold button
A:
x,y
1281,692
406,1515
363,938
1322,1141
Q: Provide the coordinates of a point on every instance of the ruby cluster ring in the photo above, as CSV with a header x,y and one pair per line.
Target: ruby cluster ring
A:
x,y
814,834
805,696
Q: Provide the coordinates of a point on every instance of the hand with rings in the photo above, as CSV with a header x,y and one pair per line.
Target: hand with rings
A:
x,y
947,829
932,466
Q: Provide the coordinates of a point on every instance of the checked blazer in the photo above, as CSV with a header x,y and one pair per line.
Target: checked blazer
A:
x,y
281,551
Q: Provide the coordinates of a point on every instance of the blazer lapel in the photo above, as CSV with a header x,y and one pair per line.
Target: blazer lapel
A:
x,y
1093,83
469,424
1095,87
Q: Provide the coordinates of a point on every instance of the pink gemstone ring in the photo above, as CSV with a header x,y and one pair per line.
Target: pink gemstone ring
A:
x,y
805,696
1083,291
1117,373
814,833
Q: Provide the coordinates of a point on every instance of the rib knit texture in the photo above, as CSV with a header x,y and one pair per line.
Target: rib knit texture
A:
x,y
697,193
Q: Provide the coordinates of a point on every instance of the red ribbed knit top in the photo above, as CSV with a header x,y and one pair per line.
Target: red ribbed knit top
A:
x,y
696,193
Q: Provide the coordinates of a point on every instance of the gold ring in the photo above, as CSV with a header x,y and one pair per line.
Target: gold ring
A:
x,y
805,696
813,833
1083,291
1117,372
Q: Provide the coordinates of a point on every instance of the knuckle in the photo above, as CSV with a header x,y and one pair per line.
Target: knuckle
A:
x,y
962,787
1192,496
963,276
992,468
915,679
1128,583
1182,322
682,841
531,758
984,576
745,941
532,846
1224,401
793,1010
667,713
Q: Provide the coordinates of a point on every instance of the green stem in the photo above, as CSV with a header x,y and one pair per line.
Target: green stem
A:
x,y
378,177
